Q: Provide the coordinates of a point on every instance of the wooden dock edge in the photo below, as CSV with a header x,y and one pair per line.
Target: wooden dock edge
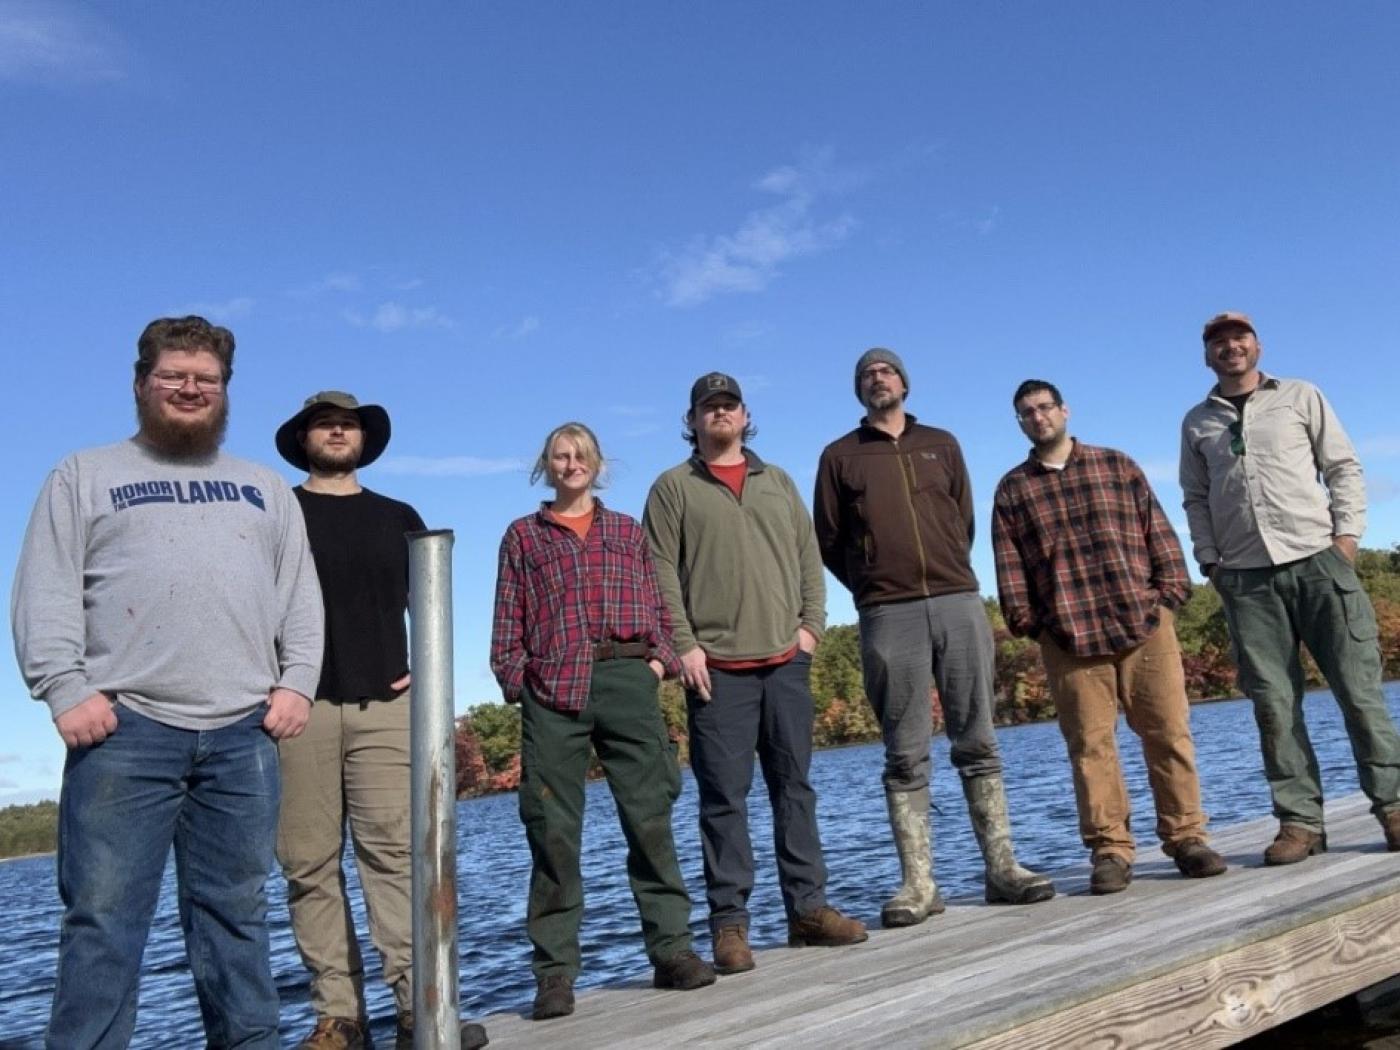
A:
x,y
1229,997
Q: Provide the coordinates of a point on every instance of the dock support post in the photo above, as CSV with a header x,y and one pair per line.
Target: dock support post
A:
x,y
433,793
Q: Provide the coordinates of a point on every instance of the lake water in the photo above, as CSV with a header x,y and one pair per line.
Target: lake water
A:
x,y
494,866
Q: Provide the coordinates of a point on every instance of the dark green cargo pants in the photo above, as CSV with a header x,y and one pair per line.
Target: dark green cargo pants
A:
x,y
1320,602
623,723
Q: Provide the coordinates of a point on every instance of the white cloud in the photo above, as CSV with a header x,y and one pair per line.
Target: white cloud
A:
x,y
526,326
394,317
1380,445
1161,471
1381,489
748,259
338,281
748,331
57,43
448,466
228,310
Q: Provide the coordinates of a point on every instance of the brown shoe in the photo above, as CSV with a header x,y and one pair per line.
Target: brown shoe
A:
x,y
1390,821
732,954
554,997
684,971
1196,860
1295,843
825,928
335,1033
1111,874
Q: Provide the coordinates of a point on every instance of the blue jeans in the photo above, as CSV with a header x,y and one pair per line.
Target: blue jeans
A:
x,y
213,794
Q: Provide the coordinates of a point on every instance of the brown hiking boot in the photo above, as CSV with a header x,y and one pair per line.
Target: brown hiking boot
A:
x,y
554,997
1196,860
684,971
1390,821
1295,843
1111,874
732,954
336,1033
825,928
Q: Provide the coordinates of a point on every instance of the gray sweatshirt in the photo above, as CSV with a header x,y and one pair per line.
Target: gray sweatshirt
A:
x,y
185,590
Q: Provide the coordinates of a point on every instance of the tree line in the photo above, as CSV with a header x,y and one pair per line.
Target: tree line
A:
x,y
488,735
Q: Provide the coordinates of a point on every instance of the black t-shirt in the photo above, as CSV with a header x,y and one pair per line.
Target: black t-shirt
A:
x,y
362,559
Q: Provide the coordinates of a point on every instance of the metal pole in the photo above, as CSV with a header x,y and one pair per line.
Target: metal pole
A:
x,y
434,793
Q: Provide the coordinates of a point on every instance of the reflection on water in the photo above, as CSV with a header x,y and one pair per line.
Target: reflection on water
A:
x,y
494,866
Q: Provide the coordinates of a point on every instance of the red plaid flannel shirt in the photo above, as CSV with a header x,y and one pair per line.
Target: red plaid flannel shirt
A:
x,y
557,595
1085,553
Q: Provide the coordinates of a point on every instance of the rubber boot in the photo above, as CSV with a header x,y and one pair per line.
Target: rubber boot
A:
x,y
1006,881
918,897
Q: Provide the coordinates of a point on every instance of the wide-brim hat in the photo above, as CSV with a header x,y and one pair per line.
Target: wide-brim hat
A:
x,y
374,425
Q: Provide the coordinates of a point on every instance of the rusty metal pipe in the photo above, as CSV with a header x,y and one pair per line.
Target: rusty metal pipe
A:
x,y
433,793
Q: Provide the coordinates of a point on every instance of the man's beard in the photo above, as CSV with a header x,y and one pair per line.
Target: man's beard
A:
x,y
328,462
178,439
880,400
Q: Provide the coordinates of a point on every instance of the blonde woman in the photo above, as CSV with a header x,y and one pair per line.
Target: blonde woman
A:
x,y
581,639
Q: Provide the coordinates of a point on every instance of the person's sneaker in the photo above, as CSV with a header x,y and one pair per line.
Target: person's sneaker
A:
x,y
473,1036
732,953
1294,843
1391,823
554,997
335,1033
683,971
1111,874
1196,860
825,928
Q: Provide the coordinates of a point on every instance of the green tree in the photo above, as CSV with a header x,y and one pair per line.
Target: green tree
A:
x,y
497,729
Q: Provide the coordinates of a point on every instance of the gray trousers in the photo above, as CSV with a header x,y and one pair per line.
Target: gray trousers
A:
x,y
905,647
1318,602
768,709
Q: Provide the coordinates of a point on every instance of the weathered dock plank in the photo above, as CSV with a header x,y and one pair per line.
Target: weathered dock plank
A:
x,y
1170,963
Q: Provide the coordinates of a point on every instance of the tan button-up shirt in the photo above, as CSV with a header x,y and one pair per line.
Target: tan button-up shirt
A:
x,y
1267,506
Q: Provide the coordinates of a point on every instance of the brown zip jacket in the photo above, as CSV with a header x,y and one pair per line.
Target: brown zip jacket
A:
x,y
894,516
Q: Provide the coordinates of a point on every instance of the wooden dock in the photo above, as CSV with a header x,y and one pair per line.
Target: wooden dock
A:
x,y
1169,963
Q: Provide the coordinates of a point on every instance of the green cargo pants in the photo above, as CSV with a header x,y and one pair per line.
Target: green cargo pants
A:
x,y
623,723
1320,602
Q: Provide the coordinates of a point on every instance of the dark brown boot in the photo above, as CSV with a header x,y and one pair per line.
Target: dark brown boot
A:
x,y
684,971
1390,821
732,954
825,928
554,997
1196,860
1111,874
1295,843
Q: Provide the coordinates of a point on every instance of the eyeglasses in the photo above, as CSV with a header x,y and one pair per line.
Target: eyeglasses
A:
x,y
1031,411
878,372
1237,437
205,384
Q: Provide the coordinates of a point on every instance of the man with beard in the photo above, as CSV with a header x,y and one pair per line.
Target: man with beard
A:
x,y
1279,549
1088,565
738,566
893,514
353,759
166,609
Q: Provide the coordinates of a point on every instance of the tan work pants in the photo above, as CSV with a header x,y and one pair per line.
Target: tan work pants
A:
x,y
1149,683
352,762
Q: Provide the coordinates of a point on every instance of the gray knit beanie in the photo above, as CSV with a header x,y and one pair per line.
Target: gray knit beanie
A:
x,y
879,355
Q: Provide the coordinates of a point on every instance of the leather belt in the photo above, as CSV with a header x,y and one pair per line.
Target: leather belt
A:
x,y
611,650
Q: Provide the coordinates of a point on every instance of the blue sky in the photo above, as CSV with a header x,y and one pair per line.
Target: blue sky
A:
x,y
493,217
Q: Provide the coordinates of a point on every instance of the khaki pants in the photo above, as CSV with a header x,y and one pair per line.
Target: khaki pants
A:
x,y
1148,682
351,762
